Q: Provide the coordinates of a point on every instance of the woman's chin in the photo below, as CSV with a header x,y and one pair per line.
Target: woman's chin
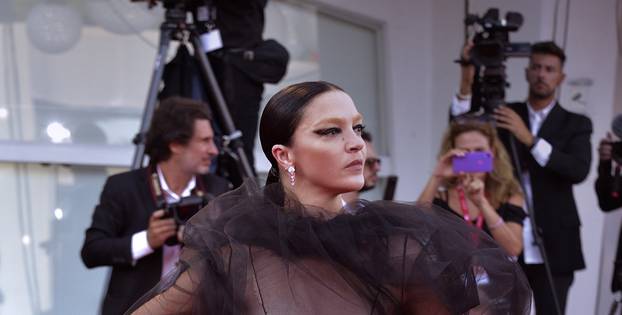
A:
x,y
352,185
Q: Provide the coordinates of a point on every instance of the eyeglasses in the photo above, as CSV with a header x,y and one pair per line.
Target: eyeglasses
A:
x,y
372,161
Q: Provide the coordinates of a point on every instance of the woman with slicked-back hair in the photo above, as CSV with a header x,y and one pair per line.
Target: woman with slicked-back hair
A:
x,y
295,247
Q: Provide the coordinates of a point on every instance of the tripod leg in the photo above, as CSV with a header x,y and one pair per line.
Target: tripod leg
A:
x,y
154,86
532,219
233,135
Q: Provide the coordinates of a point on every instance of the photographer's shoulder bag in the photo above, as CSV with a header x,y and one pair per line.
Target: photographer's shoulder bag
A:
x,y
265,63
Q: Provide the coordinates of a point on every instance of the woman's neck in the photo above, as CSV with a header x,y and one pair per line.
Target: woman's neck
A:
x,y
328,204
454,202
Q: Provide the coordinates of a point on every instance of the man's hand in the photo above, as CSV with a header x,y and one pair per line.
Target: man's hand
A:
x,y
467,71
509,119
160,229
605,147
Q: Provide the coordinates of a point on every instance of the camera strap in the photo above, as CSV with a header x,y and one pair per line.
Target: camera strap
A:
x,y
464,206
157,193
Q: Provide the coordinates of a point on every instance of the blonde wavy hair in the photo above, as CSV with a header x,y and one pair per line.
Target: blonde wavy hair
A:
x,y
500,183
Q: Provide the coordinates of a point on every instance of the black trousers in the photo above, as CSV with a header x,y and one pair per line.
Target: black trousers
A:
x,y
243,97
545,305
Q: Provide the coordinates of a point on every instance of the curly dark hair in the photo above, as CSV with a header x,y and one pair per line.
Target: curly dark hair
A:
x,y
173,122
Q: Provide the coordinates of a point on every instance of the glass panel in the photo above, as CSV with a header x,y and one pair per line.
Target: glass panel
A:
x,y
348,57
75,71
345,54
86,81
295,26
45,213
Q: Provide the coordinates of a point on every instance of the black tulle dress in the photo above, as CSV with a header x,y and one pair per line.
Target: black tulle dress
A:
x,y
247,253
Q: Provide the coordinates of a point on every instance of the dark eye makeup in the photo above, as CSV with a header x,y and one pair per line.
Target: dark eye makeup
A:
x,y
335,130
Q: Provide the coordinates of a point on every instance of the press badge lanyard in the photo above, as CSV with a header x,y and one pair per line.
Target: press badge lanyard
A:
x,y
465,210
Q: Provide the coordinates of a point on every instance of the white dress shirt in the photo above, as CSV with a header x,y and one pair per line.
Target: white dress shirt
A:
x,y
170,254
541,152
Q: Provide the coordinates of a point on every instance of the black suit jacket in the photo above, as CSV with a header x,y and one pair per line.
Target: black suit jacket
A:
x,y
556,214
608,202
124,208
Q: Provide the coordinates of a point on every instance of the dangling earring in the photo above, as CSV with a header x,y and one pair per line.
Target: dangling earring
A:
x,y
292,174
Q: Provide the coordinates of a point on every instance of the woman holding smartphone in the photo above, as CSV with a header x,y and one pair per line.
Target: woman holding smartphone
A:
x,y
486,196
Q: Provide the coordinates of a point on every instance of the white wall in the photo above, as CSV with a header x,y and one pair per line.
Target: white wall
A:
x,y
592,50
423,37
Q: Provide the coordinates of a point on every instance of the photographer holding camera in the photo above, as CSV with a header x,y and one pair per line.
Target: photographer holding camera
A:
x,y
609,187
136,225
554,153
484,192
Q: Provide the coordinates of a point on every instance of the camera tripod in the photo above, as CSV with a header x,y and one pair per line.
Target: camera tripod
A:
x,y
537,237
175,27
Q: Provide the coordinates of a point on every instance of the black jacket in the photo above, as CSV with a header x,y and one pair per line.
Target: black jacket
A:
x,y
124,208
556,214
605,187
605,190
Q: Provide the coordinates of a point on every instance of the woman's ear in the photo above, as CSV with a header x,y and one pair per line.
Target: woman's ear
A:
x,y
283,155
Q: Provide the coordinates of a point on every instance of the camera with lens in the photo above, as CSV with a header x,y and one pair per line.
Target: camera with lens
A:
x,y
177,10
616,151
182,211
491,48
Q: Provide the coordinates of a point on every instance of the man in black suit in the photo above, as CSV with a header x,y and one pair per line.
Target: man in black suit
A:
x,y
608,188
128,231
553,146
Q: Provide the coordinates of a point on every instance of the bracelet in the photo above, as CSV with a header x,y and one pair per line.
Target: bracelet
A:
x,y
497,225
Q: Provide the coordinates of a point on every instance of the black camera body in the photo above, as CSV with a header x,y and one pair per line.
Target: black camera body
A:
x,y
491,48
616,151
182,211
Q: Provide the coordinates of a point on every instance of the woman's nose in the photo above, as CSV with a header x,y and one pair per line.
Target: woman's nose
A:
x,y
355,143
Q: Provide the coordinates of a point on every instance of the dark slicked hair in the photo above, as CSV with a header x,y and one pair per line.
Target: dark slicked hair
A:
x,y
282,115
366,136
173,122
549,48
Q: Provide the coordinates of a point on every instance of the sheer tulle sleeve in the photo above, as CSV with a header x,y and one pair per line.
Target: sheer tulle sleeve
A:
x,y
248,254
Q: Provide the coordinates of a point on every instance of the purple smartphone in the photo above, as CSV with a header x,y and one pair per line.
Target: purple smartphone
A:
x,y
473,162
